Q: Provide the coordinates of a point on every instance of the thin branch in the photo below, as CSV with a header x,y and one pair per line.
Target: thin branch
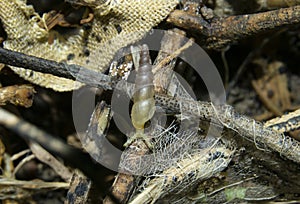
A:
x,y
45,157
20,154
223,31
34,185
247,127
75,72
24,161
285,123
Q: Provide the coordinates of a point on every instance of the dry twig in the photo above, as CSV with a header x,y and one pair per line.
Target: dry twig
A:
x,y
50,160
223,31
226,116
194,168
63,70
9,187
285,123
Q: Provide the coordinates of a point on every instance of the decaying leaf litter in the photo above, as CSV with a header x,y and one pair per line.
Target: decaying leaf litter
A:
x,y
250,174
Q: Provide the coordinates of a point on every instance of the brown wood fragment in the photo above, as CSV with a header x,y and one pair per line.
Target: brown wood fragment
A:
x,y
79,189
222,31
21,95
171,46
1,65
272,88
2,151
125,183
